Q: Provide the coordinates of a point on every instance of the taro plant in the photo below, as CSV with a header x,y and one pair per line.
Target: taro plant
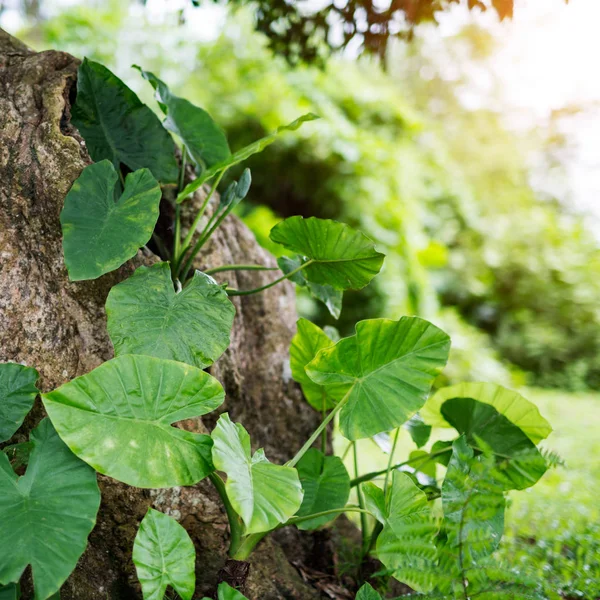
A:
x,y
168,322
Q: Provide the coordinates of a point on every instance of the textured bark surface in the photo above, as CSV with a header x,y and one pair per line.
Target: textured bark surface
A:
x,y
59,327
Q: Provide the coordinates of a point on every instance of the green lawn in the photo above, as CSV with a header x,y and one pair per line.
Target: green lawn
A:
x,y
553,529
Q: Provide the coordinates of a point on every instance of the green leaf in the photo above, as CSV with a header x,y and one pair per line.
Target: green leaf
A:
x,y
118,419
518,459
146,316
263,494
116,126
386,371
11,591
326,486
164,555
226,592
519,411
17,395
46,515
406,542
473,504
421,463
241,155
366,592
307,342
418,429
204,139
340,256
99,233
329,296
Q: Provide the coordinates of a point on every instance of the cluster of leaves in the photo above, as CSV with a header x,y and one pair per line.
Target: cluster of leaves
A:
x,y
118,419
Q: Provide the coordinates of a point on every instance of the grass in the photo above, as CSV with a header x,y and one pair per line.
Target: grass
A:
x,y
552,530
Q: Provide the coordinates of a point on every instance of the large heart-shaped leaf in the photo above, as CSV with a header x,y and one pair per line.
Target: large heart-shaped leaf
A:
x,y
329,296
385,371
339,256
263,494
473,503
146,316
118,419
406,543
241,155
46,515
519,411
307,342
418,429
17,395
204,139
117,126
517,457
99,233
326,486
11,591
164,555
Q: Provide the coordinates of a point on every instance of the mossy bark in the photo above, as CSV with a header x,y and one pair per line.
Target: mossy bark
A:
x,y
59,327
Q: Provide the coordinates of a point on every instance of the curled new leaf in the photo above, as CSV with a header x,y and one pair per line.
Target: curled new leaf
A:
x,y
338,255
326,486
241,155
117,126
17,395
99,233
384,372
367,592
118,419
164,555
263,494
47,514
145,315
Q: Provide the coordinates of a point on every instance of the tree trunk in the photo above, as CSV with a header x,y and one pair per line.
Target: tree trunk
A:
x,y
59,327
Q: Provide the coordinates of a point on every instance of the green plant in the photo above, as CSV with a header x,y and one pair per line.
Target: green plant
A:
x,y
118,418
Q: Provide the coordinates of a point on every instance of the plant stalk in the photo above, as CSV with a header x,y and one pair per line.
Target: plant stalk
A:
x,y
361,503
389,465
236,526
240,268
232,292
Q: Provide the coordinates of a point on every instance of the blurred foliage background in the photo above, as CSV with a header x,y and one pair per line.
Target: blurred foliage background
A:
x,y
510,270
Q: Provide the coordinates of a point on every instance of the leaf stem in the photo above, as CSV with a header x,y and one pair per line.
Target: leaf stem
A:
x,y
240,268
325,513
324,416
389,466
233,292
311,440
361,503
373,474
236,526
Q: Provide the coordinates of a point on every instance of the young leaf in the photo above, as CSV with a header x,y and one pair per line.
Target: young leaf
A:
x,y
326,486
146,316
226,592
473,503
406,543
46,515
17,395
118,419
421,463
418,429
519,411
518,459
99,233
385,371
329,296
164,555
117,126
366,592
204,139
241,155
340,256
307,342
263,494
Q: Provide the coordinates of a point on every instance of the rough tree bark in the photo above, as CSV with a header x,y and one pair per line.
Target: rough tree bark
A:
x,y
59,327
